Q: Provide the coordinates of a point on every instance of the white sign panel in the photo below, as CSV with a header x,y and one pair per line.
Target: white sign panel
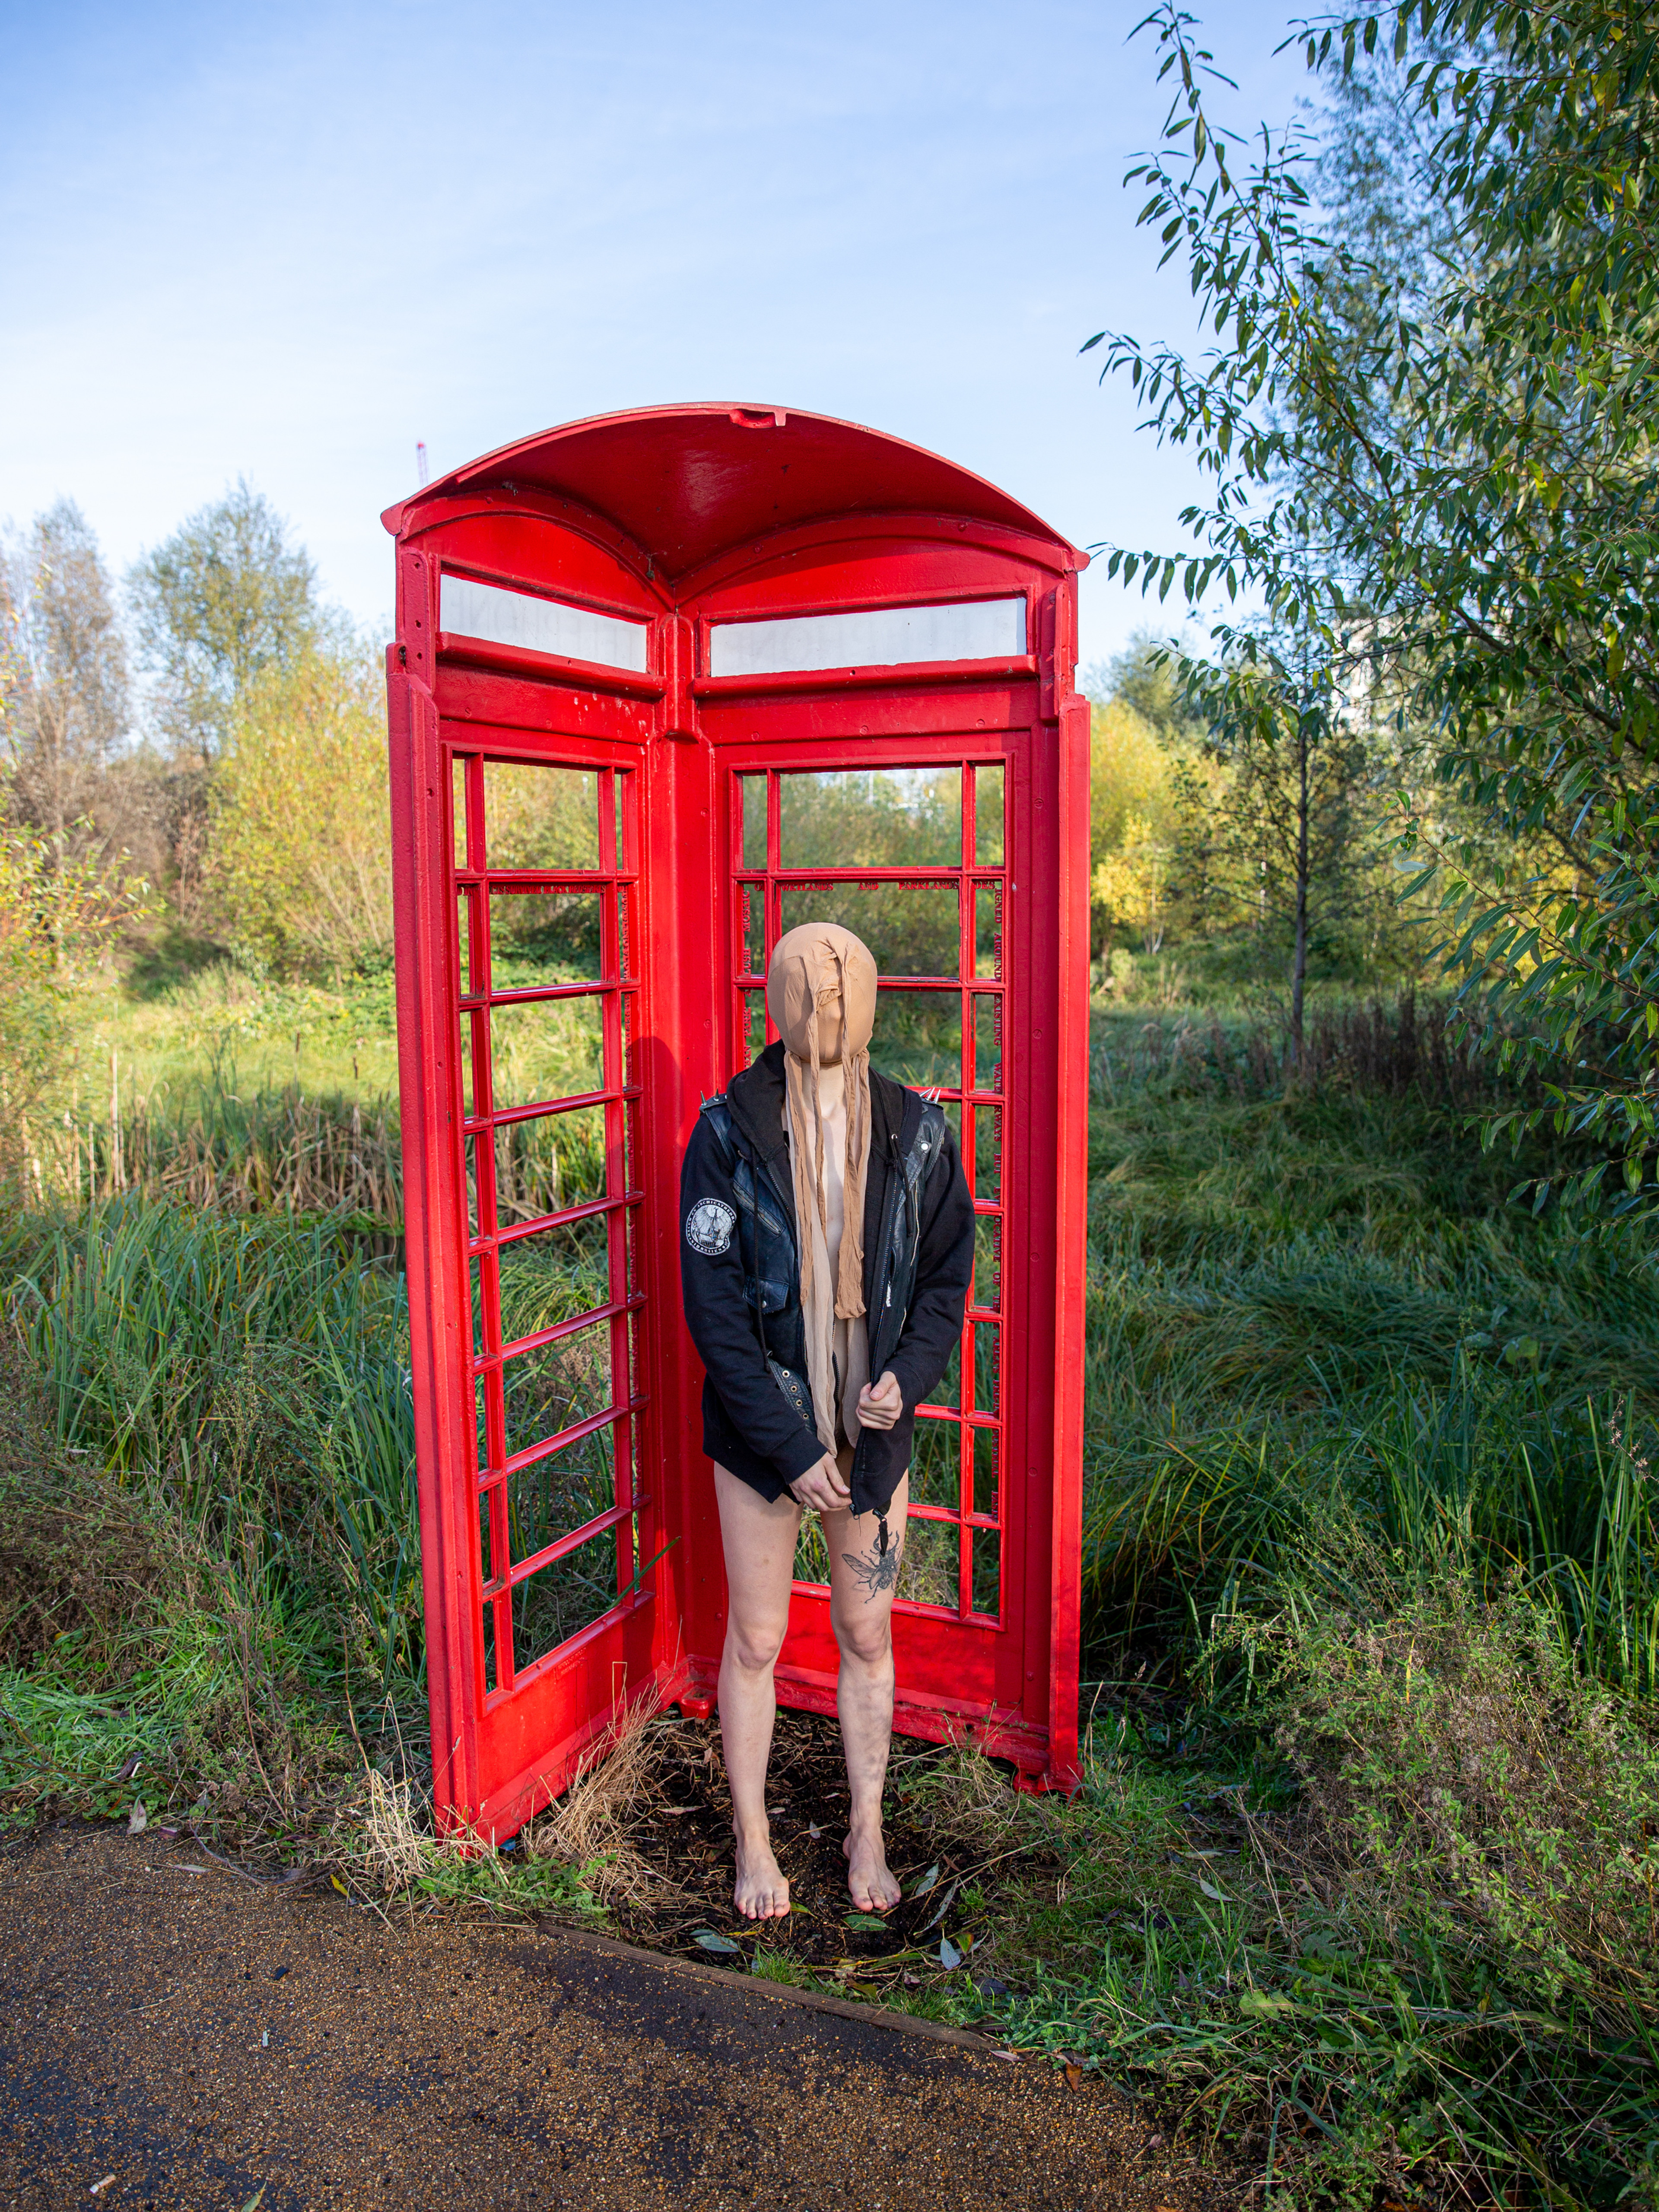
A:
x,y
881,637
538,625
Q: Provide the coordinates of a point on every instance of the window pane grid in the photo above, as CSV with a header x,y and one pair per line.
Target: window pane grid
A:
x,y
558,895
958,1482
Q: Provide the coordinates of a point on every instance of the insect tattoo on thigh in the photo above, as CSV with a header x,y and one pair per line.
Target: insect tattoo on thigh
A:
x,y
878,1568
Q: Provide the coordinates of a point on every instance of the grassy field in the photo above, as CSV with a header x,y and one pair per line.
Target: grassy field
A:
x,y
1361,1881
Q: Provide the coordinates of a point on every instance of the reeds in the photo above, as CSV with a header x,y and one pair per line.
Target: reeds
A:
x,y
236,1152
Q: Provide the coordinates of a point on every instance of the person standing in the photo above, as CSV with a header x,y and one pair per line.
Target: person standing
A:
x,y
828,1236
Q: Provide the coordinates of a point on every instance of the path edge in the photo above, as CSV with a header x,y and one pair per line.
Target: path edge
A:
x,y
898,2023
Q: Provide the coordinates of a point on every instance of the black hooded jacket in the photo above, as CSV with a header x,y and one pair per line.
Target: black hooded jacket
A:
x,y
740,1270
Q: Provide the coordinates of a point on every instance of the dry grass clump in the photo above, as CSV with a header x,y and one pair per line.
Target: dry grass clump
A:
x,y
78,1557
618,1783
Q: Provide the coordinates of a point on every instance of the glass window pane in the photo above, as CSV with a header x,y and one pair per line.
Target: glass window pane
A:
x,y
475,1274
987,817
988,931
929,1573
811,1552
986,1339
909,929
552,1277
987,1571
753,1041
947,1391
987,1154
536,623
751,930
481,1389
541,939
619,786
537,816
907,817
554,1497
560,1600
754,821
988,1261
548,1049
489,1649
988,1043
918,1038
466,972
972,629
547,1164
457,804
486,1549
936,1463
469,1100
476,1201
985,1470
549,1391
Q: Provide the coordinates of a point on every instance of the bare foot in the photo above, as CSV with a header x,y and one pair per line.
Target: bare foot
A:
x,y
870,1887
762,1893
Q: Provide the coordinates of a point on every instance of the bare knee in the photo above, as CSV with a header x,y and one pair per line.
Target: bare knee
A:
x,y
754,1645
866,1637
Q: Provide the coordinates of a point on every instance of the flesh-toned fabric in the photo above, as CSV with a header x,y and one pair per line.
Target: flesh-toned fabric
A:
x,y
821,994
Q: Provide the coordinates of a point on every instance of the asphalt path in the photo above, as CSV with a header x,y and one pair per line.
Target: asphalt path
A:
x,y
174,2033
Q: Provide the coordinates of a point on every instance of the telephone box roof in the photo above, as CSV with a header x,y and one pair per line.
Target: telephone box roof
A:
x,y
686,482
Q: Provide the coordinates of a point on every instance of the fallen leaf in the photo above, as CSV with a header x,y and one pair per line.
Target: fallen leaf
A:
x,y
258,2199
949,1957
1265,2004
867,1920
186,1867
1210,1890
139,1819
1073,2074
1004,2054
98,2187
336,1883
723,1944
814,1832
926,1883
944,1906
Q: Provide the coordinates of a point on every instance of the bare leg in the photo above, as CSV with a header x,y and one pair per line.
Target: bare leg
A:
x,y
759,1540
862,1581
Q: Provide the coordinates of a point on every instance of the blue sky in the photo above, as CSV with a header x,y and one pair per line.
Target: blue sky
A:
x,y
290,241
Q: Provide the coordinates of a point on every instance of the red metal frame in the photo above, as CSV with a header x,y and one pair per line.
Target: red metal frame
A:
x,y
684,519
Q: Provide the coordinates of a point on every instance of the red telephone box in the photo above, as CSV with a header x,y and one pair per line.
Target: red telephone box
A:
x,y
666,684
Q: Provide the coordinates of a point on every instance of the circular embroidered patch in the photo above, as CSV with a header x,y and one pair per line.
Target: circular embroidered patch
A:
x,y
708,1227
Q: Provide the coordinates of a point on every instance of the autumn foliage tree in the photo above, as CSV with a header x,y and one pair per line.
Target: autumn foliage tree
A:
x,y
298,863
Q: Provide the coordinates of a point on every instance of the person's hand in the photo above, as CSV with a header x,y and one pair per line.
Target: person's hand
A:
x,y
881,1403
822,1487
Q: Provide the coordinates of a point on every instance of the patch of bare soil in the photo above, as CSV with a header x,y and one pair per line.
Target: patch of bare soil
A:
x,y
658,1801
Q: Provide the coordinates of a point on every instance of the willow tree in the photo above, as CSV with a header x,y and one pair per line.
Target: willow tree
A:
x,y
1445,465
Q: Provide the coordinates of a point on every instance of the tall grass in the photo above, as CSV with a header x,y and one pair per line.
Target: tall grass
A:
x,y
252,1374
1371,1572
